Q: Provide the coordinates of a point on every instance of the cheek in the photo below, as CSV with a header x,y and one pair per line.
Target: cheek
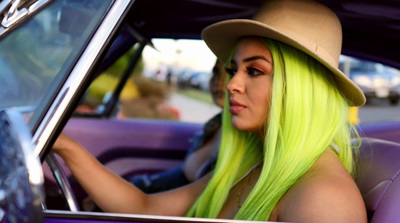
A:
x,y
261,96
261,102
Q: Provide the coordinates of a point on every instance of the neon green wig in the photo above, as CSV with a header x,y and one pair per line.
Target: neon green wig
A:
x,y
307,114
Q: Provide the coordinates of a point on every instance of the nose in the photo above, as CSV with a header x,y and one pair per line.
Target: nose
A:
x,y
236,84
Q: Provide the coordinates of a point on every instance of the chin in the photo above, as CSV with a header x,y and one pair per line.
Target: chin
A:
x,y
246,127
241,126
236,124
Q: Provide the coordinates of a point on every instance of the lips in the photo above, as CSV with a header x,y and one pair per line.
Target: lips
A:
x,y
235,107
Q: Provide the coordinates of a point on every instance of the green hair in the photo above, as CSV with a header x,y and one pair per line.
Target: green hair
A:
x,y
307,115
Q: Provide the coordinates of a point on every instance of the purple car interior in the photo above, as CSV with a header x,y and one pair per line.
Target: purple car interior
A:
x,y
378,179
132,146
384,130
126,146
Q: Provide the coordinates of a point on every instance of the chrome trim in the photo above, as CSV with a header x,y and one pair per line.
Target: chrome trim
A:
x,y
4,4
45,122
14,14
57,109
62,181
11,12
133,217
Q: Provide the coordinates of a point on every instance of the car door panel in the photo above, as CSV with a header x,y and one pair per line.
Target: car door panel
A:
x,y
127,147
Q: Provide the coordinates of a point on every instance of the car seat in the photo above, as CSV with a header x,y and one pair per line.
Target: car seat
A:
x,y
378,179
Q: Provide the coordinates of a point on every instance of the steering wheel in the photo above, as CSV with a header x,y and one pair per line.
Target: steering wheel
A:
x,y
21,175
62,181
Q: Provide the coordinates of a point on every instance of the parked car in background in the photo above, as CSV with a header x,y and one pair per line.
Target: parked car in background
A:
x,y
375,79
52,51
201,80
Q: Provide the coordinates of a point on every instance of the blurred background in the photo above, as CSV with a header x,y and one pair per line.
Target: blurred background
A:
x,y
172,83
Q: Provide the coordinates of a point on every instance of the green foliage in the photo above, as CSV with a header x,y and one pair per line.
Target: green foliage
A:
x,y
122,63
103,84
108,80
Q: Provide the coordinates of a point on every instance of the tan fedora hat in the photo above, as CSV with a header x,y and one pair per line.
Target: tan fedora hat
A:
x,y
306,25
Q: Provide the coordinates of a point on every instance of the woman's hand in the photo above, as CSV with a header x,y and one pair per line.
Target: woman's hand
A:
x,y
114,194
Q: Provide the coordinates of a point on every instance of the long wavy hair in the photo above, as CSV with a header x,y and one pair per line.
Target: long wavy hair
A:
x,y
307,115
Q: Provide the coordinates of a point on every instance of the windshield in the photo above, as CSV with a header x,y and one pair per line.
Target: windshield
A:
x,y
36,58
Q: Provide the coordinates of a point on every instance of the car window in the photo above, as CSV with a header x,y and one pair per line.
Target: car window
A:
x,y
36,57
380,85
170,82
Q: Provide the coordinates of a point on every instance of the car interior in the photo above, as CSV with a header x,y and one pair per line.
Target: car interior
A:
x,y
131,147
378,179
368,33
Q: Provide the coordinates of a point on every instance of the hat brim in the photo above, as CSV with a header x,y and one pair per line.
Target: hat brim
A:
x,y
223,36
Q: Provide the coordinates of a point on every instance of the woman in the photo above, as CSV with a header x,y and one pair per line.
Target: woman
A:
x,y
285,152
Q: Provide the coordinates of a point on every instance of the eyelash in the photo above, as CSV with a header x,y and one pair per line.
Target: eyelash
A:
x,y
230,71
254,71
251,71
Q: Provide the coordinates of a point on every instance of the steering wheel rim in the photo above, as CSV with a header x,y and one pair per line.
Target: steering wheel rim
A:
x,y
21,175
62,182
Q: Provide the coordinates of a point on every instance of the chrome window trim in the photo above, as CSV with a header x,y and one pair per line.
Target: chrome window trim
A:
x,y
113,217
11,12
79,72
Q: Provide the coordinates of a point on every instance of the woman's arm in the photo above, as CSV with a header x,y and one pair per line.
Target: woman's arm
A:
x,y
113,194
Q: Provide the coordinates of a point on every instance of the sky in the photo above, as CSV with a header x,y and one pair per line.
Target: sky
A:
x,y
181,54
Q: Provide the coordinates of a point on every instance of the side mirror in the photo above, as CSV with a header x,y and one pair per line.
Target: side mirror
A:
x,y
21,175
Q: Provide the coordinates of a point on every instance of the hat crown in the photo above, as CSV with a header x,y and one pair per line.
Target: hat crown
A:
x,y
309,23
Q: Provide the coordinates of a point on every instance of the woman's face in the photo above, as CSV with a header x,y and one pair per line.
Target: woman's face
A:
x,y
250,87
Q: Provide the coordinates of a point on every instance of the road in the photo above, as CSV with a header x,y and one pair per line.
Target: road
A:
x,y
378,111
191,110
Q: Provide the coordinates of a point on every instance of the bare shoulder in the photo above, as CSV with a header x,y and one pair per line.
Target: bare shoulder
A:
x,y
327,193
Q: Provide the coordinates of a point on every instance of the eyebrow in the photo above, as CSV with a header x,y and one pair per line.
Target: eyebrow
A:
x,y
249,59
256,58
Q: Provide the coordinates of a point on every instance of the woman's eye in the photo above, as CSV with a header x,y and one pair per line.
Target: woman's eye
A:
x,y
230,71
254,71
